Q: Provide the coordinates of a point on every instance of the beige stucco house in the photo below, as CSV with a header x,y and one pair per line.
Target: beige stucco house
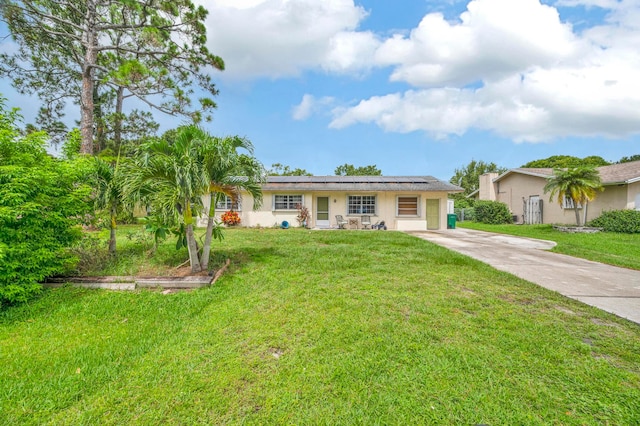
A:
x,y
522,190
403,202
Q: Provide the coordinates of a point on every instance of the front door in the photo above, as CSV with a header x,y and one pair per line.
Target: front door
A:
x,y
322,212
433,214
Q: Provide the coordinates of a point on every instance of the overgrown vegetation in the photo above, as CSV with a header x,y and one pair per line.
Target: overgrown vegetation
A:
x,y
321,328
626,221
491,212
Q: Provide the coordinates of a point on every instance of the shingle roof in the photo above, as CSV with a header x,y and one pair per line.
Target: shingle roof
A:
x,y
358,183
620,173
612,174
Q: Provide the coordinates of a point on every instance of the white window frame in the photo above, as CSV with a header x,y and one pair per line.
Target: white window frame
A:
x,y
291,202
227,204
361,210
567,203
418,202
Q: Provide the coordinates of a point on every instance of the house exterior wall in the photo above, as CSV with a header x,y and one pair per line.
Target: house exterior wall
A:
x,y
633,196
386,209
512,189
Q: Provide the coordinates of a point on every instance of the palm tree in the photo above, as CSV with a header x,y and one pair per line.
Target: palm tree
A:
x,y
229,172
579,184
170,178
108,195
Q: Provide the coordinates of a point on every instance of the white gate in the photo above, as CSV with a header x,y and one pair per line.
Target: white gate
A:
x,y
532,210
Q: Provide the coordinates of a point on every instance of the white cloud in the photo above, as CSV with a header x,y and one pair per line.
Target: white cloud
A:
x,y
309,105
538,79
534,77
280,38
493,39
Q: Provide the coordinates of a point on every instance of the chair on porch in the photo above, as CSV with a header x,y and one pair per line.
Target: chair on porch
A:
x,y
341,221
365,221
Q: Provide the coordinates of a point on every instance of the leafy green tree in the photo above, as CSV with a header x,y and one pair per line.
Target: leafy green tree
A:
x,y
170,178
278,169
351,170
41,201
468,177
629,159
229,172
565,161
72,49
579,184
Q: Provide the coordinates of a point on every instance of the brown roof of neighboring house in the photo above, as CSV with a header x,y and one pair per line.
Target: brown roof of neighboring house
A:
x,y
620,173
358,183
610,175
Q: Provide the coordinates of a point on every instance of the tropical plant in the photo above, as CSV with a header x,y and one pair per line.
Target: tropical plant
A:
x,y
228,172
108,195
170,179
578,184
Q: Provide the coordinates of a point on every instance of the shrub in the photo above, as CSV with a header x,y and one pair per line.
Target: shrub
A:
x,y
230,218
41,201
492,212
625,221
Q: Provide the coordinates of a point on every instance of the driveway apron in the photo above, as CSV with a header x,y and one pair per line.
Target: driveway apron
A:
x,y
610,288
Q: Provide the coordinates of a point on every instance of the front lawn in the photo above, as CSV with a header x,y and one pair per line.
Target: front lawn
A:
x,y
321,327
606,247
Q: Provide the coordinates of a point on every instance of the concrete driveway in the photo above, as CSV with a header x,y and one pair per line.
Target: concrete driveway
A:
x,y
613,289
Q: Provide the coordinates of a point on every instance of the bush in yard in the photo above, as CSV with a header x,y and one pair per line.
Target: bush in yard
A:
x,y
41,201
625,221
492,212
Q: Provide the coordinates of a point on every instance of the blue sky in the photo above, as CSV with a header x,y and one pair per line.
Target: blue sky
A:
x,y
422,87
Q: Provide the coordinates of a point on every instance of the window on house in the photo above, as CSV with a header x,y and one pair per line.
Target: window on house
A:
x,y
226,203
567,203
407,206
286,202
361,204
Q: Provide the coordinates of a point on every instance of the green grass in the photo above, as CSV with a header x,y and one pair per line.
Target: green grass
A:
x,y
606,247
311,327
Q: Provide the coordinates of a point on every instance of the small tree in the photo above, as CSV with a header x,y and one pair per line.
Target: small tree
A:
x,y
169,178
41,201
578,184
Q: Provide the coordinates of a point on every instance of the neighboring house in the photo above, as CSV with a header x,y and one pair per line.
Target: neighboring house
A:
x,y
522,190
403,202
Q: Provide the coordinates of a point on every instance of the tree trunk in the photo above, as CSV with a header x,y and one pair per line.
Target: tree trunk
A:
x,y
191,239
117,125
112,233
206,250
575,208
90,41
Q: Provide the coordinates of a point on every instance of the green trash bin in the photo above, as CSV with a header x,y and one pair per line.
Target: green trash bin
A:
x,y
451,221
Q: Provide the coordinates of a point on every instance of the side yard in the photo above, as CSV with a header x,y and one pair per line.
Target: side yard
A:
x,y
312,327
606,247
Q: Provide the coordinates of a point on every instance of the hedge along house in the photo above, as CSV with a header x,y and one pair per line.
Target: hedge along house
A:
x,y
522,190
405,203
